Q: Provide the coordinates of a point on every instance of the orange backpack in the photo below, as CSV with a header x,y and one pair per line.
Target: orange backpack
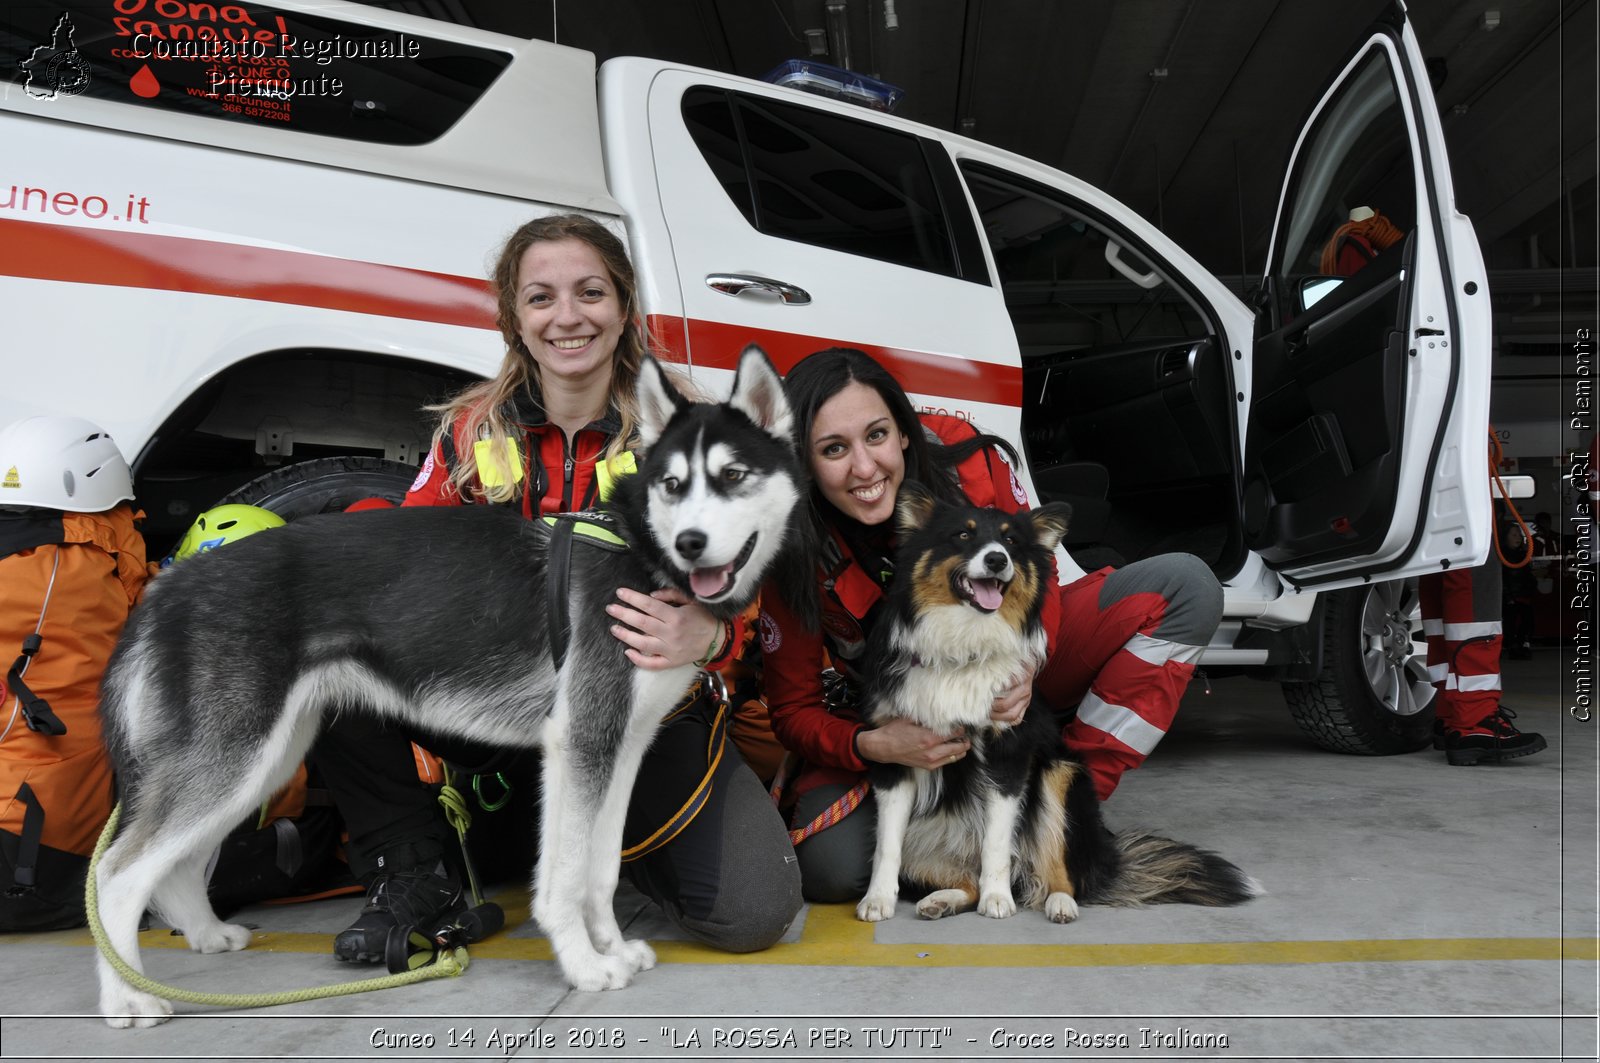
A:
x,y
67,584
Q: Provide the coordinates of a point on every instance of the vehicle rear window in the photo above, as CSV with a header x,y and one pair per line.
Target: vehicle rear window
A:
x,y
825,179
246,62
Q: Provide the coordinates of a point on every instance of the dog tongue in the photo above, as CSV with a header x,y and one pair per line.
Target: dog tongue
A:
x,y
709,582
986,592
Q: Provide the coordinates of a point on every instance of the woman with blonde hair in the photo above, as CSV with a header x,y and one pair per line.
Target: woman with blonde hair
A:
x,y
543,435
552,391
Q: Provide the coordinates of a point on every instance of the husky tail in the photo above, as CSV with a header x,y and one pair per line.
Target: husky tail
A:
x,y
1156,870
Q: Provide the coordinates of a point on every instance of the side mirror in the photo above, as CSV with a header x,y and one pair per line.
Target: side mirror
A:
x,y
1314,289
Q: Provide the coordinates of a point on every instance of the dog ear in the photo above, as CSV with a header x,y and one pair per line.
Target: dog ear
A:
x,y
758,394
658,402
913,507
1050,523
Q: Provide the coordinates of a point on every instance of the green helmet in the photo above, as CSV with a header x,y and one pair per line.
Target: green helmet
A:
x,y
224,524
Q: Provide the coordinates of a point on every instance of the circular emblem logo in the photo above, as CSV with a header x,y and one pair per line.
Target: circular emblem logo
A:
x,y
422,476
1016,489
771,637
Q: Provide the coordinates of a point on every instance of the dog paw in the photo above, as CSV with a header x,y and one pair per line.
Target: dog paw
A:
x,y
1060,908
638,955
875,908
601,972
941,903
220,937
126,1008
997,905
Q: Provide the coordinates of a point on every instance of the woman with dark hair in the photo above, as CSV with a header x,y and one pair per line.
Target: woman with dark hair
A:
x,y
1122,644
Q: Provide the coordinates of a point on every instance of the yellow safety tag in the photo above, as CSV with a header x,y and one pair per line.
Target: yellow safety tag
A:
x,y
490,472
607,472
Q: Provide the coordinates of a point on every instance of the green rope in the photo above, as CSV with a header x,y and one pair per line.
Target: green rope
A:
x,y
448,965
458,814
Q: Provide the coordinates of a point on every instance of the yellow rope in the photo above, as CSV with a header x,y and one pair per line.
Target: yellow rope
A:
x,y
448,965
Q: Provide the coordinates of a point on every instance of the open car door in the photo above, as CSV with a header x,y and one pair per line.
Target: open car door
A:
x,y
1366,447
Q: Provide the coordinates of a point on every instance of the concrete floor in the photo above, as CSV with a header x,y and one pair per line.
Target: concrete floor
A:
x,y
1413,910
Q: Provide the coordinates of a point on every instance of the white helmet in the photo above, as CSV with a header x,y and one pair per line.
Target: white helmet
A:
x,y
61,463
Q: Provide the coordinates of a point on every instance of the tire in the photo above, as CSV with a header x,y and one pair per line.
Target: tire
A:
x,y
1373,697
324,485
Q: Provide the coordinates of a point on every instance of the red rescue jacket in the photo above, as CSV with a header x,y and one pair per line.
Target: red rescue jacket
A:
x,y
793,658
561,480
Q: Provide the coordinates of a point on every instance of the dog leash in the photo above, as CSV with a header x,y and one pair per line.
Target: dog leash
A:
x,y
709,683
837,694
840,808
448,962
833,813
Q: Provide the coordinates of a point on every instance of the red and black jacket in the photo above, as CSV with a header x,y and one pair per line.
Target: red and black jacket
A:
x,y
793,657
558,476
558,473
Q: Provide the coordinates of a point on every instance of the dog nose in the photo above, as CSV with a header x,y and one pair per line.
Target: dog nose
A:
x,y
691,544
996,561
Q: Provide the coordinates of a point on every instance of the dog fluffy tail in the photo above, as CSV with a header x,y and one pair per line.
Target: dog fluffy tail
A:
x,y
1156,870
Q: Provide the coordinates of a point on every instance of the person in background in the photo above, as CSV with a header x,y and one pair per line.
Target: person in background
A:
x,y
1461,607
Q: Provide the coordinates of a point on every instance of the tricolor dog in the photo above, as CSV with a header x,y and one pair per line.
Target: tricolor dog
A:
x,y
1016,820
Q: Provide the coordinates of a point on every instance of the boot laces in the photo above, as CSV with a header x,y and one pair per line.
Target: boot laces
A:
x,y
1499,723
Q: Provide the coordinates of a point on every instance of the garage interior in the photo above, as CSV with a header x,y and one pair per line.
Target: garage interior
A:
x,y
1411,910
1186,111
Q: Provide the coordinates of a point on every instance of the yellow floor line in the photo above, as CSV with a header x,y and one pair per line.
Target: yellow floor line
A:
x,y
833,937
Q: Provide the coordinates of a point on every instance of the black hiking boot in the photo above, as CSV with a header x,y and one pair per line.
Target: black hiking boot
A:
x,y
1492,740
420,897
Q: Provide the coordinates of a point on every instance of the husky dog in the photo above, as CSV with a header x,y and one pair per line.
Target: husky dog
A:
x,y
437,618
963,618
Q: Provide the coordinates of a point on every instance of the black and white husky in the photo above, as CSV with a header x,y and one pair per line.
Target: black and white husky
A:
x,y
1017,814
436,618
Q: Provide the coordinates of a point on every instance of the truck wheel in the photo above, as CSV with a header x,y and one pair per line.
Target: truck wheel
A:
x,y
324,485
1373,696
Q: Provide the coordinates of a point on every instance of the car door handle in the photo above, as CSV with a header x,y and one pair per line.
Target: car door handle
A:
x,y
739,283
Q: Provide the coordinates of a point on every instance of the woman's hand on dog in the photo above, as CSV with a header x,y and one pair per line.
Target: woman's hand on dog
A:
x,y
900,741
662,630
1012,702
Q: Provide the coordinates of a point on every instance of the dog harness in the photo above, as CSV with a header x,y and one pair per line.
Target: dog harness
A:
x,y
591,527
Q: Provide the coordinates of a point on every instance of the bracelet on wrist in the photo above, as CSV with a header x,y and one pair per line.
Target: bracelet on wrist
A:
x,y
719,640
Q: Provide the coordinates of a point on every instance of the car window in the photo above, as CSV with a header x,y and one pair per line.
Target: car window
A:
x,y
798,173
1060,270
1127,395
1353,193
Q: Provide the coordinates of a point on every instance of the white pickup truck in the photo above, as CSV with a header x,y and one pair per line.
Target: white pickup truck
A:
x,y
250,242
